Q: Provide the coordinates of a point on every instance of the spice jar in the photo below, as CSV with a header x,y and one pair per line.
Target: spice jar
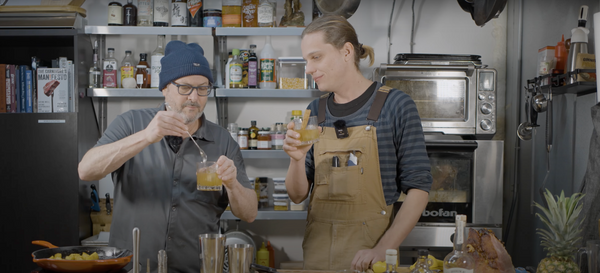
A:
x,y
242,138
264,140
141,77
212,18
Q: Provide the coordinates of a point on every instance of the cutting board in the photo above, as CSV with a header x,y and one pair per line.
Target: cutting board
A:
x,y
74,6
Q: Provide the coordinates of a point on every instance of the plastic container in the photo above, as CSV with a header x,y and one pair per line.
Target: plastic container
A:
x,y
281,201
262,255
292,73
560,53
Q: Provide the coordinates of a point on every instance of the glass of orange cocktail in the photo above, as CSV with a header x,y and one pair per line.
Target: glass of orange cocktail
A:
x,y
206,176
310,133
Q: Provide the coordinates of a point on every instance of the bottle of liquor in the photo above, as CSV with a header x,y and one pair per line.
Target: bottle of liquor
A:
x,y
145,16
253,136
109,79
129,14
115,14
249,13
423,262
95,72
268,79
252,68
128,71
265,13
179,13
458,261
157,55
161,13
232,13
391,259
235,70
143,58
195,12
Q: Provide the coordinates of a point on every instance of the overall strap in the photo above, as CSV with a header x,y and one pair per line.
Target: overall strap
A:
x,y
322,108
377,105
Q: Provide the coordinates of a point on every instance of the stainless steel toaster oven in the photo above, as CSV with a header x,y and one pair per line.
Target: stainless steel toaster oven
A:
x,y
455,94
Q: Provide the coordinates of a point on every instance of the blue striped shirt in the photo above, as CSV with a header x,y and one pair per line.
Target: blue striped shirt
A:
x,y
403,160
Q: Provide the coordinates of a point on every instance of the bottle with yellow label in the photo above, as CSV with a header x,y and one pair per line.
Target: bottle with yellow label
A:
x,y
253,136
236,67
128,71
262,255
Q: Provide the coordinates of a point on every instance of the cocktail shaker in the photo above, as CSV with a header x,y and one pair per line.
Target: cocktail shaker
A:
x,y
579,42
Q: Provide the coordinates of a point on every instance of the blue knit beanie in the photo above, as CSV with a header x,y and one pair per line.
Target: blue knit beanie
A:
x,y
182,60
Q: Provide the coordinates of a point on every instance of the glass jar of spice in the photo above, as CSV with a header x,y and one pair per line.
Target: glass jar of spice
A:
x,y
141,77
242,138
264,139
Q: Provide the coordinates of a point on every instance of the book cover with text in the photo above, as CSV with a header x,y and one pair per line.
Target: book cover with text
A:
x,y
53,88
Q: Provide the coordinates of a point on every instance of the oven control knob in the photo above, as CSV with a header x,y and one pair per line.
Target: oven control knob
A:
x,y
481,96
486,108
486,124
491,97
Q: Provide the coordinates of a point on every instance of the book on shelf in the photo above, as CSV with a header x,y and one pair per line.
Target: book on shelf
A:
x,y
13,88
17,88
28,91
53,87
35,63
7,86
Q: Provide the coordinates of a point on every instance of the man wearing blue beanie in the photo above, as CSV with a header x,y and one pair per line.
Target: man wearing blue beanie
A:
x,y
153,165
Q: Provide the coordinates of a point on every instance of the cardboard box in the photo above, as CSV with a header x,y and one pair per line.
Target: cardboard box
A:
x,y
586,61
53,90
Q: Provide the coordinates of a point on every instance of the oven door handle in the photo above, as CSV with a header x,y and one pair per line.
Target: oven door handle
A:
x,y
462,145
469,68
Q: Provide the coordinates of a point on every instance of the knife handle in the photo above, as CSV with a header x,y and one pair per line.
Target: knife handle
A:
x,y
108,208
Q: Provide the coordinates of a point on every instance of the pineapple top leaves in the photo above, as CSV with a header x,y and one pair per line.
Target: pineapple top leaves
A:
x,y
561,238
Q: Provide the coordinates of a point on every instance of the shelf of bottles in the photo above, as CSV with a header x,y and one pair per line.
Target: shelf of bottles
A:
x,y
264,154
271,215
258,31
138,30
556,82
126,93
267,93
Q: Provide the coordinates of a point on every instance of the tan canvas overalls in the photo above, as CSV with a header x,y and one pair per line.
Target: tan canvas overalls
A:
x,y
347,210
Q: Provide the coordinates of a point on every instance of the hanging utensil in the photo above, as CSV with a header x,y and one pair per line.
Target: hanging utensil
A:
x,y
202,153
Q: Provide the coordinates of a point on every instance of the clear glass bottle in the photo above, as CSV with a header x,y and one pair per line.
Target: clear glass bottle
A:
x,y
232,13
110,67
129,14
423,262
242,138
278,137
115,14
265,13
268,77
127,71
391,259
195,13
179,13
145,15
235,70
161,13
458,261
157,55
252,68
95,71
233,130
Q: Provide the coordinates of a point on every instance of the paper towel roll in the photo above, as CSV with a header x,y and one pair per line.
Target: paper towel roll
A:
x,y
597,48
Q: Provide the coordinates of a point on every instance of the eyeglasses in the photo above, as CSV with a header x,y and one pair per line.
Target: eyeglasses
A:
x,y
186,90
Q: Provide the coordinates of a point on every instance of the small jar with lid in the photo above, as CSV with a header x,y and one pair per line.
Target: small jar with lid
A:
x,y
141,77
264,139
212,18
292,73
242,138
278,137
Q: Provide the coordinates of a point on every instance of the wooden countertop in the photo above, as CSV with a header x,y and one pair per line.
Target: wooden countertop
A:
x,y
399,270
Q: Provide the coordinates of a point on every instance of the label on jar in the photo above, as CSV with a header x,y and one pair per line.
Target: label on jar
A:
x,y
263,145
126,72
265,14
235,73
267,72
252,73
139,79
110,74
232,19
155,67
179,14
242,140
161,11
194,6
115,15
213,21
252,143
144,8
